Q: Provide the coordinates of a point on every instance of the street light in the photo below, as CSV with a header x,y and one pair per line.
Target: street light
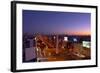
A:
x,y
75,40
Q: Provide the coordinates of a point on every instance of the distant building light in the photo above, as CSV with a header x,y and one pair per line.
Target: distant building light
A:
x,y
86,44
35,38
54,37
37,49
75,40
65,38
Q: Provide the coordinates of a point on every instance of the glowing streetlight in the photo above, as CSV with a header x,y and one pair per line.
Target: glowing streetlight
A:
x,y
75,40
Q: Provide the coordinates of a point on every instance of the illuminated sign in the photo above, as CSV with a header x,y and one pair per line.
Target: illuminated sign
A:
x,y
86,44
65,38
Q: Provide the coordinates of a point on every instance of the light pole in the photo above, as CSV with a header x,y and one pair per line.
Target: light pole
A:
x,y
36,48
57,44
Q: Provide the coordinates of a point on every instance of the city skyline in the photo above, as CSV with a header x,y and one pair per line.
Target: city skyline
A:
x,y
71,23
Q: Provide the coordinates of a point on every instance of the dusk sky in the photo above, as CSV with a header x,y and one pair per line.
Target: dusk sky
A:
x,y
56,22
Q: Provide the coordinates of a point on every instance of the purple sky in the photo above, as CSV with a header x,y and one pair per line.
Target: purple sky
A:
x,y
56,22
